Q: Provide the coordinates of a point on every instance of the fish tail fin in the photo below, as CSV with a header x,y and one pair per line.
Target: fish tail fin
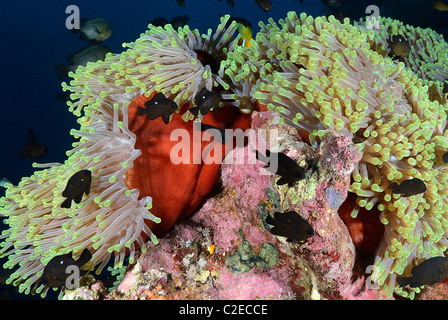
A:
x,y
270,220
84,37
404,281
84,257
141,111
281,181
194,111
67,203
393,186
62,70
275,232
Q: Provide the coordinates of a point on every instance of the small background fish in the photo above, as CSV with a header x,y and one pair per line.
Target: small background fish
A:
x,y
33,149
445,157
399,47
266,5
440,6
92,53
94,29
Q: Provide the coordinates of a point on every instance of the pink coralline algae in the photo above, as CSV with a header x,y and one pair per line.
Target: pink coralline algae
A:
x,y
224,251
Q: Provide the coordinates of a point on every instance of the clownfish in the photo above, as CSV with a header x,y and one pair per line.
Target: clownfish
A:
x,y
246,35
33,149
266,5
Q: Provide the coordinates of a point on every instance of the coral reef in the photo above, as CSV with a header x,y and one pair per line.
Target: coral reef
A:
x,y
224,250
328,94
115,219
322,76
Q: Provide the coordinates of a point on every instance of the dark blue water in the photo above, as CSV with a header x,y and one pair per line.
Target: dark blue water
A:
x,y
34,38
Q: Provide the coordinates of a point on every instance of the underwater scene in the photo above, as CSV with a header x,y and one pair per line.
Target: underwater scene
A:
x,y
224,150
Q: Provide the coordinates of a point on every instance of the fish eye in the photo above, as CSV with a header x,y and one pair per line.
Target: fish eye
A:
x,y
310,231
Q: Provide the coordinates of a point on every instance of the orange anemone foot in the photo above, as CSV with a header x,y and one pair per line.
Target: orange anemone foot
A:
x,y
177,189
366,230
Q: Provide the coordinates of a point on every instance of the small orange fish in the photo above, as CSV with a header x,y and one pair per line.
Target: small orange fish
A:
x,y
440,6
246,35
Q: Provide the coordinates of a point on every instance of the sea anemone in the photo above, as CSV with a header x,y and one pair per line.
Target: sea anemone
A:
x,y
114,219
177,63
326,79
111,220
428,54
